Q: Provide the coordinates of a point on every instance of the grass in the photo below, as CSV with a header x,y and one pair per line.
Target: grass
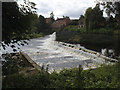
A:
x,y
34,35
117,32
94,31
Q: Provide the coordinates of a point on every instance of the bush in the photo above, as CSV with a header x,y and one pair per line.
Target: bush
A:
x,y
103,77
36,80
106,76
13,63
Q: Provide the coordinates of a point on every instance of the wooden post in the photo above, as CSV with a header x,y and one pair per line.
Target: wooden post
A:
x,y
80,79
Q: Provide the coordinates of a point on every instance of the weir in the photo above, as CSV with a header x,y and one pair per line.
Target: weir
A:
x,y
77,49
59,55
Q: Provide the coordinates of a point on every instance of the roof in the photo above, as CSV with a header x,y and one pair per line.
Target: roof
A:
x,y
62,18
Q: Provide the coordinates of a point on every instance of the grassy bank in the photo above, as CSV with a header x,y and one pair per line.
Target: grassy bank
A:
x,y
34,35
94,31
27,77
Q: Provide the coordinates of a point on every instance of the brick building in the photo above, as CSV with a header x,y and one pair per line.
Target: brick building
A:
x,y
48,20
60,23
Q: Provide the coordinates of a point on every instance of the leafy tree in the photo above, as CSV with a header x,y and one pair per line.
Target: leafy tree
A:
x,y
16,21
94,18
81,17
34,21
74,22
112,8
87,17
110,23
41,25
52,17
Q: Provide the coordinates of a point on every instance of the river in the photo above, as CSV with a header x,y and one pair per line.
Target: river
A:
x,y
44,52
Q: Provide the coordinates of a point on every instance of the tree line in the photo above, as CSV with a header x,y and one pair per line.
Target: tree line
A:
x,y
94,18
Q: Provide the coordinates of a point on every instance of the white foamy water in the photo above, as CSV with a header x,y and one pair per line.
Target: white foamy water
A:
x,y
46,51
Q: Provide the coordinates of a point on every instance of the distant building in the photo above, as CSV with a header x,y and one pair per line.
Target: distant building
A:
x,y
81,23
60,23
48,20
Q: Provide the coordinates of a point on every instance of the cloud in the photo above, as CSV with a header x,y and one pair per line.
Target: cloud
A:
x,y
71,8
75,13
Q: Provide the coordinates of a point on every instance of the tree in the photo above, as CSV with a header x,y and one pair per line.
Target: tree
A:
x,y
81,17
110,23
41,24
16,22
74,22
94,18
33,26
113,8
52,17
87,17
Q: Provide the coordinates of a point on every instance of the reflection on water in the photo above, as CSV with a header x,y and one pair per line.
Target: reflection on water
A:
x,y
110,49
113,52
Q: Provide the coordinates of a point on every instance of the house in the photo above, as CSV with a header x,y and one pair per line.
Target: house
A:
x,y
48,20
60,23
81,23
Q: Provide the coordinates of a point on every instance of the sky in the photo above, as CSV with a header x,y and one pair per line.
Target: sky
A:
x,y
60,8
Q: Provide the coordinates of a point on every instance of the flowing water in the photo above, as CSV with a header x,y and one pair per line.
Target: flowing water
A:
x,y
44,51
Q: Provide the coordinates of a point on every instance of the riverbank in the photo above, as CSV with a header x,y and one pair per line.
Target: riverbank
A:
x,y
93,31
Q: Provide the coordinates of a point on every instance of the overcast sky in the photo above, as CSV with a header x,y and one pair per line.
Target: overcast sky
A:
x,y
60,8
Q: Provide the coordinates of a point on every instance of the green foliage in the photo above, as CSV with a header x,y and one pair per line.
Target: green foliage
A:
x,y
36,80
94,18
113,8
117,32
73,22
71,28
66,78
52,17
42,26
81,17
82,36
102,31
17,21
13,63
106,76
34,35
103,77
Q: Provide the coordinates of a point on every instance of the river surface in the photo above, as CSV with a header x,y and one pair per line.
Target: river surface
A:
x,y
44,52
